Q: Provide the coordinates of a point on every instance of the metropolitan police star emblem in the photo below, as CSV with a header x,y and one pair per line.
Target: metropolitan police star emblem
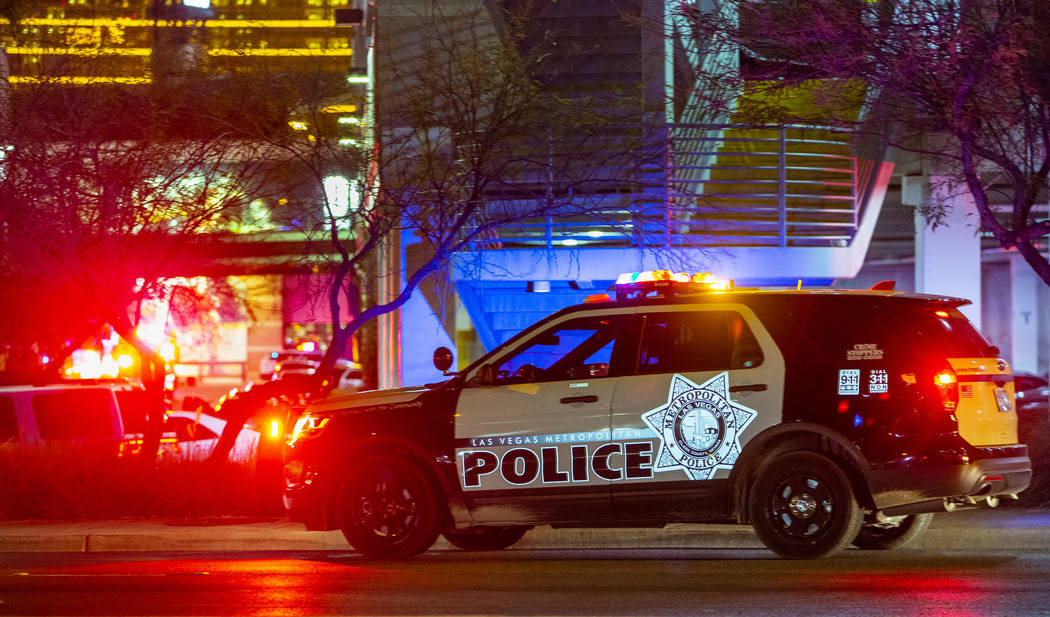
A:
x,y
699,427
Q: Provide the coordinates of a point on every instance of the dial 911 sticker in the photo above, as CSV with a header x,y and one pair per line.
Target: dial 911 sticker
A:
x,y
849,381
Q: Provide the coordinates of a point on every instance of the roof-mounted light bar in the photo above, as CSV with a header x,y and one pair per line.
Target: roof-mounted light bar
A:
x,y
665,283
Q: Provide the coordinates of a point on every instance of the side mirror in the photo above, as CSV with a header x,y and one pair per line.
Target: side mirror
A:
x,y
549,338
442,358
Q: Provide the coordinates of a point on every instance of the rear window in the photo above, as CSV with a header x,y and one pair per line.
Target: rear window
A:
x,y
8,422
73,414
949,333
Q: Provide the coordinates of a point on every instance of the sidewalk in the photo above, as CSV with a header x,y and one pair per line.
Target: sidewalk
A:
x,y
1001,529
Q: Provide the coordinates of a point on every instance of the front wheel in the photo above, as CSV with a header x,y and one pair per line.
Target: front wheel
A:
x,y
886,537
389,508
802,506
485,538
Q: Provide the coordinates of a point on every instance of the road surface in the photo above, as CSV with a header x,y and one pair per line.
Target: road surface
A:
x,y
609,582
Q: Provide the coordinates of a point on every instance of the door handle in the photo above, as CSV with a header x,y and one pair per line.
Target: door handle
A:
x,y
751,387
590,398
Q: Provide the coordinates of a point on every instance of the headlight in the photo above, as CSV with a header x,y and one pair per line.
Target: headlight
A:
x,y
307,426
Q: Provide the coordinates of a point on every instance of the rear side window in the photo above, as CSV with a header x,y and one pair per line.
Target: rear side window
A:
x,y
697,341
950,333
73,414
8,421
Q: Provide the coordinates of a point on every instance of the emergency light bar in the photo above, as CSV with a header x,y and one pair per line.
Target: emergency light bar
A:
x,y
664,283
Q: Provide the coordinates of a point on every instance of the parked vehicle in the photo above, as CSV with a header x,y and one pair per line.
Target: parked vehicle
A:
x,y
108,413
345,375
1031,394
197,433
822,418
269,363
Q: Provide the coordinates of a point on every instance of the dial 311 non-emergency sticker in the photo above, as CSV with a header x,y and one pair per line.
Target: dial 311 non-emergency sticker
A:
x,y
878,381
849,381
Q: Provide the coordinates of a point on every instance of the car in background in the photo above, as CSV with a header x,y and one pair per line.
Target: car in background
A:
x,y
1033,415
346,375
1031,391
268,364
108,413
1031,394
197,433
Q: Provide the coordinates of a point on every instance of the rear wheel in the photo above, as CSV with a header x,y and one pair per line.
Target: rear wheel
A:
x,y
802,506
485,538
389,508
885,537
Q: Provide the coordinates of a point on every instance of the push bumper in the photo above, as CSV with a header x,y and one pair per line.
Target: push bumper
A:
x,y
303,499
923,482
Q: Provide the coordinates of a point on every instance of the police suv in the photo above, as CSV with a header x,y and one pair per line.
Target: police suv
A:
x,y
822,418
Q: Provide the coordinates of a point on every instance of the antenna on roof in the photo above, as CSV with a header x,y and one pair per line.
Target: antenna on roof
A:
x,y
883,286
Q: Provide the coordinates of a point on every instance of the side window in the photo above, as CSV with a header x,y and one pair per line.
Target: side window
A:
x,y
8,421
132,409
577,349
697,341
73,414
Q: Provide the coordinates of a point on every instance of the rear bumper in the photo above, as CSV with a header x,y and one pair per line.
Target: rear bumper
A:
x,y
950,473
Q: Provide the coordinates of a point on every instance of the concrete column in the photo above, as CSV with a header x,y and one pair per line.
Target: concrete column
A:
x,y
948,258
388,337
266,333
1024,318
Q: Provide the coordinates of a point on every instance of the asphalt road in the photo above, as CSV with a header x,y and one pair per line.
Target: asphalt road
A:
x,y
609,582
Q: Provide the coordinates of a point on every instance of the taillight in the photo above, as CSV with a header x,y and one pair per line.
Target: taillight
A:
x,y
948,388
275,428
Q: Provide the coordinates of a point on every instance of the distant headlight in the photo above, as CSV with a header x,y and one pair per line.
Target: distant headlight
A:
x,y
307,426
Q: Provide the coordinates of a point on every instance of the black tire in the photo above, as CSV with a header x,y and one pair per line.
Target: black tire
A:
x,y
390,508
485,538
802,506
872,537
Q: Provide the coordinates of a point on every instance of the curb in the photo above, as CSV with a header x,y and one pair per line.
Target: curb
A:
x,y
1012,529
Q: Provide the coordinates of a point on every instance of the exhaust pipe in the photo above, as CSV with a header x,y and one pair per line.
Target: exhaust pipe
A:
x,y
954,504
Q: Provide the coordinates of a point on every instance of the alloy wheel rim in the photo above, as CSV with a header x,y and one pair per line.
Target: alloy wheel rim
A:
x,y
802,506
387,508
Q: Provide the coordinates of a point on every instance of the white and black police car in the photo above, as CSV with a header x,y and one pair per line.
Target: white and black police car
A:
x,y
823,418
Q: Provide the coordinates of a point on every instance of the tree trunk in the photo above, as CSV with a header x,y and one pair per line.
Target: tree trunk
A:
x,y
153,371
1037,260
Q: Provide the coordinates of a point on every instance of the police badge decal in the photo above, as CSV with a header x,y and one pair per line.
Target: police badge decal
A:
x,y
699,427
